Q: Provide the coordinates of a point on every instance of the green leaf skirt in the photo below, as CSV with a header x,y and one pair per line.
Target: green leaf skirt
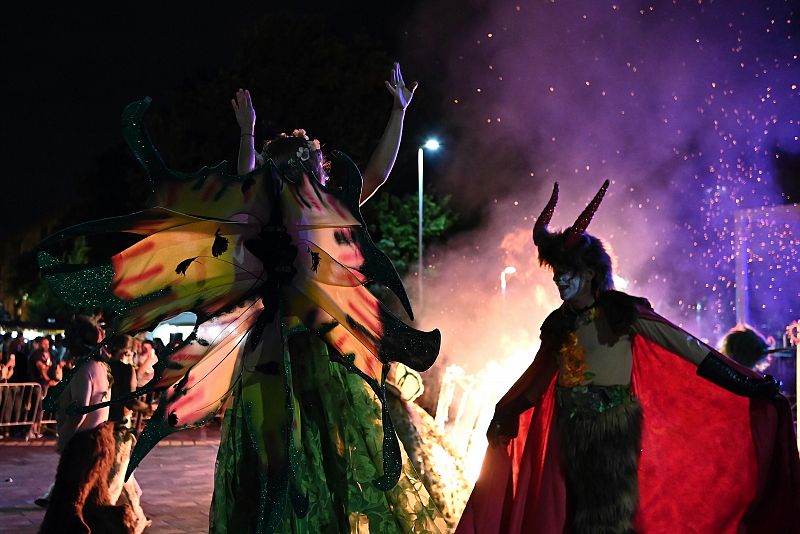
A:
x,y
340,456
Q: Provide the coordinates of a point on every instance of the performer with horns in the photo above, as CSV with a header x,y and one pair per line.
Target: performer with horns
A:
x,y
626,423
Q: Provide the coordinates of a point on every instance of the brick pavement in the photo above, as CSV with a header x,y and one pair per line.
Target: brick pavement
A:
x,y
176,480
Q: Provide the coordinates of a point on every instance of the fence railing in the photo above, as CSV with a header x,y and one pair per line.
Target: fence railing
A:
x,y
21,405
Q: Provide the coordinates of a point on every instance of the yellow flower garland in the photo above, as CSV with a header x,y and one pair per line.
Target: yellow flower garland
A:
x,y
573,361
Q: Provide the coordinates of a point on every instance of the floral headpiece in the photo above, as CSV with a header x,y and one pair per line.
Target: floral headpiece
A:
x,y
303,152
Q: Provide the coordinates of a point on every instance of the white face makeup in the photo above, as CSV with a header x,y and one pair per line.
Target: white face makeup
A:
x,y
568,283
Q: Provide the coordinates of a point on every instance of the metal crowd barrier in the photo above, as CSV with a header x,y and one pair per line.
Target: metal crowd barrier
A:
x,y
21,405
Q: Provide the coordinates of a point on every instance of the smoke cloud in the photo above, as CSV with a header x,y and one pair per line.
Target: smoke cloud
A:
x,y
684,106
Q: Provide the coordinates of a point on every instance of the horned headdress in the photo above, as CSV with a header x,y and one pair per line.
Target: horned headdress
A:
x,y
573,248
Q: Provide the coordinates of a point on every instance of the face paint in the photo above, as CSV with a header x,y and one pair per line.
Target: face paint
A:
x,y
570,284
567,282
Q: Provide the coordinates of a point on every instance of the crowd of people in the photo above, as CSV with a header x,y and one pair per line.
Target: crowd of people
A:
x,y
45,358
94,448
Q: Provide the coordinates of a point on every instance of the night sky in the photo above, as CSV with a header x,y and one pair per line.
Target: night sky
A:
x,y
70,69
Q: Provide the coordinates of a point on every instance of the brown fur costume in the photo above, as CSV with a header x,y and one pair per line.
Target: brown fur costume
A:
x,y
79,502
601,450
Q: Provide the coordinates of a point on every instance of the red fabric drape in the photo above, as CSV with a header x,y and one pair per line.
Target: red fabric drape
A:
x,y
697,470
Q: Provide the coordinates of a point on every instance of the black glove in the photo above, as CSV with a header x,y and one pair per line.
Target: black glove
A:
x,y
715,370
505,422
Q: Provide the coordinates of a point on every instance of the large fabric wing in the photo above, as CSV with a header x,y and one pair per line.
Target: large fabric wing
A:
x,y
341,294
203,390
178,263
337,336
207,338
330,217
336,259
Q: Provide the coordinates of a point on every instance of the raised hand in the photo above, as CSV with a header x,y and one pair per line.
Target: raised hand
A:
x,y
243,109
397,87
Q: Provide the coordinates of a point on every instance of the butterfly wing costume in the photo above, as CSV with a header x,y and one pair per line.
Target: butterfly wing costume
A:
x,y
257,258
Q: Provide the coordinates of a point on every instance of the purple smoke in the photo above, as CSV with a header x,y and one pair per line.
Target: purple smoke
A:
x,y
684,106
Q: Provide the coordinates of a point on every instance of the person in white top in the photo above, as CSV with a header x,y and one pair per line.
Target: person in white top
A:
x,y
80,500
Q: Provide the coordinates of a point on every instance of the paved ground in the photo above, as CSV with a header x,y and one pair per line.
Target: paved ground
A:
x,y
176,480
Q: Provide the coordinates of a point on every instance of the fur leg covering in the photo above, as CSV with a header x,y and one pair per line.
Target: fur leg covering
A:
x,y
601,458
79,502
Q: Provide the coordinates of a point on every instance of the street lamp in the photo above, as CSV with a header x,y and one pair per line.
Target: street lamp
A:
x,y
508,270
433,145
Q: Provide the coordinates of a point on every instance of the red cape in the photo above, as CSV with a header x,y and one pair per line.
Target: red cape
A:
x,y
712,461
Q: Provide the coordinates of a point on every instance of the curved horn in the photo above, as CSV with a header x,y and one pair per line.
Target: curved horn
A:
x,y
575,231
540,228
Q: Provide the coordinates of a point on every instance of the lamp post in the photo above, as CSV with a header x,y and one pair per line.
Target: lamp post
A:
x,y
433,145
505,272
508,270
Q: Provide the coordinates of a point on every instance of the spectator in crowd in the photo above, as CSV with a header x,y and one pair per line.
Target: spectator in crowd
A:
x,y
18,404
124,374
99,320
59,350
124,377
18,344
16,353
145,360
19,348
68,362
159,345
80,500
6,343
40,366
745,345
7,364
7,359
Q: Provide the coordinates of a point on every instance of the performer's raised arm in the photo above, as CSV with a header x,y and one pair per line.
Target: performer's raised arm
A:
x,y
246,117
711,365
382,160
